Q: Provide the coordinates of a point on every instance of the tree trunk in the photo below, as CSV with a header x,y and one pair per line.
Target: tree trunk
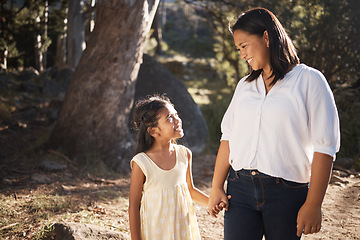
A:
x,y
46,22
61,48
60,59
92,16
3,58
93,121
76,32
38,45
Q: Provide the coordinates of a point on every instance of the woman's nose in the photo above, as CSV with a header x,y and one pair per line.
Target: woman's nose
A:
x,y
242,54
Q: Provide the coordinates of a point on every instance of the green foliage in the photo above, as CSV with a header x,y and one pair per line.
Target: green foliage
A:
x,y
193,39
213,114
326,35
22,22
44,233
348,103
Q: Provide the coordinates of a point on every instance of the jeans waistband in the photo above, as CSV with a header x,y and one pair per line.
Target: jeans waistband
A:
x,y
251,173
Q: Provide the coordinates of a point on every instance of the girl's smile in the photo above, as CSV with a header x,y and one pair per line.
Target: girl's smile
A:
x,y
169,123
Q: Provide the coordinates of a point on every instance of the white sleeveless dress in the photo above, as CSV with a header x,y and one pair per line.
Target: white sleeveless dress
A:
x,y
166,210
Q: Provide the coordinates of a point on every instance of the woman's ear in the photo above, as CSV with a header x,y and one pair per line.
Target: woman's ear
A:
x,y
266,38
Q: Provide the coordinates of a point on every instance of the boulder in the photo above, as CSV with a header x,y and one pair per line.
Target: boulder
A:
x,y
345,163
58,83
154,78
82,231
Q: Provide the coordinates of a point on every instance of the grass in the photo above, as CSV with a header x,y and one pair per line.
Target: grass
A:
x,y
30,214
20,214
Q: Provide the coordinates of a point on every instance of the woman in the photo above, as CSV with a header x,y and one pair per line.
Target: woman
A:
x,y
280,135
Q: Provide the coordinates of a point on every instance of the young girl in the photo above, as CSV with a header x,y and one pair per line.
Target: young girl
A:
x,y
161,186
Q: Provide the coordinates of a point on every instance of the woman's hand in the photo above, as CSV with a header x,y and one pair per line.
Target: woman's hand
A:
x,y
309,219
217,202
309,215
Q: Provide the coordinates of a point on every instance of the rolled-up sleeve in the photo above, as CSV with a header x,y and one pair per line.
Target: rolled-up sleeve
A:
x,y
323,115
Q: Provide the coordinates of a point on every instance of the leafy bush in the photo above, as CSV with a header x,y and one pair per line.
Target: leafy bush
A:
x,y
348,104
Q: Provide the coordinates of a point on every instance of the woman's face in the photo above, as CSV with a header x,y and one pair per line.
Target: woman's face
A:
x,y
253,49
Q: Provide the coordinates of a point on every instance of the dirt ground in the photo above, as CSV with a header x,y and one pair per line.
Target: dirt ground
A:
x,y
32,198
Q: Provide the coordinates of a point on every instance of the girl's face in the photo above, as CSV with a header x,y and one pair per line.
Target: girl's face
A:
x,y
169,124
253,49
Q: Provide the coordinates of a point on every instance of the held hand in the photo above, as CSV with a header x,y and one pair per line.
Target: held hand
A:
x,y
219,207
309,219
218,200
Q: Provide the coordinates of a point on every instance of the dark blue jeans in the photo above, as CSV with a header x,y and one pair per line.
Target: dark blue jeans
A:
x,y
262,205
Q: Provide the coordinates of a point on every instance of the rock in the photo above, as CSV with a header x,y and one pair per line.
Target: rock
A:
x,y
335,179
339,173
345,163
40,178
64,75
29,114
52,166
54,88
82,231
28,74
155,78
5,81
58,84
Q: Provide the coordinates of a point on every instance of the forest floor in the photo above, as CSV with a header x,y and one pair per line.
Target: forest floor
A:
x,y
32,199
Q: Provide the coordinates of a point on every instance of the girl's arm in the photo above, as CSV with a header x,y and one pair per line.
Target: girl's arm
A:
x,y
136,185
221,170
196,195
309,216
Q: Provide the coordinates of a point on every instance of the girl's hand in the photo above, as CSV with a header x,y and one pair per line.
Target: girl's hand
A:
x,y
217,202
309,219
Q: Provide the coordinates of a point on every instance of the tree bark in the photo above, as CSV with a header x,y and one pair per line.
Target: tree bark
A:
x,y
93,121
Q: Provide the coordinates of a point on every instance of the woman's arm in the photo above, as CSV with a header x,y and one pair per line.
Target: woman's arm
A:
x,y
136,185
309,216
196,195
221,170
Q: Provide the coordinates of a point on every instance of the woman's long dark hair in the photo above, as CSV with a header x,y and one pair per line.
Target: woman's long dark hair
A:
x,y
146,114
282,51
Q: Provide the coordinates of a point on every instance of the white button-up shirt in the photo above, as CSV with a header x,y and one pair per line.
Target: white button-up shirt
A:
x,y
278,133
